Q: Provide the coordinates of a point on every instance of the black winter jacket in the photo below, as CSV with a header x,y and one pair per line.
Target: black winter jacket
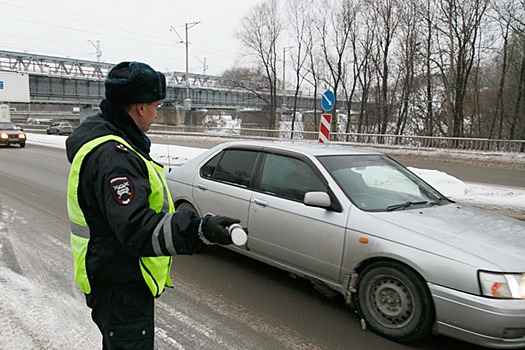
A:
x,y
121,233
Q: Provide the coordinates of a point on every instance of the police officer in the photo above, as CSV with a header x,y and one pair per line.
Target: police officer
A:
x,y
124,229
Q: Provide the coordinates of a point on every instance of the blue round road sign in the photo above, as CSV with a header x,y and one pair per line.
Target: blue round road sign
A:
x,y
328,100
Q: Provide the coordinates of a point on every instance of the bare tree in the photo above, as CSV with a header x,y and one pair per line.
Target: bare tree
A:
x,y
519,14
502,16
517,120
409,45
365,45
250,79
513,12
312,74
259,33
427,21
334,30
350,79
517,125
385,16
461,25
300,17
418,67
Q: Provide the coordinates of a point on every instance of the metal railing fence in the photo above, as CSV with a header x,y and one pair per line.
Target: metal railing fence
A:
x,y
457,143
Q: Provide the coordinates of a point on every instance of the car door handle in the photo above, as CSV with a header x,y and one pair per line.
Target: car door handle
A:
x,y
261,202
202,187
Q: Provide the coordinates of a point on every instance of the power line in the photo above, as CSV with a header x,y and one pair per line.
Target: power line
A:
x,y
95,27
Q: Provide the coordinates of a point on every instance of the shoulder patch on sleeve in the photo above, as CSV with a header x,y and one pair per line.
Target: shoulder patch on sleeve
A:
x,y
120,147
122,189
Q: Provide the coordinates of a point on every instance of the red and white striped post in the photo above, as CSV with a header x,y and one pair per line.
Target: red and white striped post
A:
x,y
324,128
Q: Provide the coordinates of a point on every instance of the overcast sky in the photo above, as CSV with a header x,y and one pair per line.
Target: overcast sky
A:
x,y
127,30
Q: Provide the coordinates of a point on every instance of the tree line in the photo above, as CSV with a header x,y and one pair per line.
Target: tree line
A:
x,y
420,67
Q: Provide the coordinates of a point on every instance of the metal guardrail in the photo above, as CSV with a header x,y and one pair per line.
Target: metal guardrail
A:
x,y
456,143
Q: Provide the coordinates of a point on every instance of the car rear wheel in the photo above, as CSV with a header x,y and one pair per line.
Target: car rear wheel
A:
x,y
185,206
395,302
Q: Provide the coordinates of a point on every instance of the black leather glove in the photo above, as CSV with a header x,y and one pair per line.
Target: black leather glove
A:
x,y
213,229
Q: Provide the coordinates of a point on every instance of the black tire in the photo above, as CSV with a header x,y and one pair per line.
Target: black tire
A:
x,y
57,132
185,206
22,145
395,302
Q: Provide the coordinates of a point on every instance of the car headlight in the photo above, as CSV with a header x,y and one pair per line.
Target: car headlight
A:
x,y
21,136
504,286
4,136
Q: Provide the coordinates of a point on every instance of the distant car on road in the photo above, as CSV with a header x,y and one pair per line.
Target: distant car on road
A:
x,y
11,134
359,223
60,128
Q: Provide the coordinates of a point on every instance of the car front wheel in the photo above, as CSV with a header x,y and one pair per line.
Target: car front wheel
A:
x,y
395,302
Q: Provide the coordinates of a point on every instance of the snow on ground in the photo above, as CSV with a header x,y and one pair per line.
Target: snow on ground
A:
x,y
487,196
503,199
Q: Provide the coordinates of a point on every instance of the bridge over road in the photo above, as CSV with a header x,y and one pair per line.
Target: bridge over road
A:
x,y
59,80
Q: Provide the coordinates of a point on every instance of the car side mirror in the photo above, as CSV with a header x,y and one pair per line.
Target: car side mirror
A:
x,y
317,199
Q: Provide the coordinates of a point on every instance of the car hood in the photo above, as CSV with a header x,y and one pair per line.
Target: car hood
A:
x,y
497,239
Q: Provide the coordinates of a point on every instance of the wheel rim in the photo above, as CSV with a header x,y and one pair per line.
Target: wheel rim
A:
x,y
391,302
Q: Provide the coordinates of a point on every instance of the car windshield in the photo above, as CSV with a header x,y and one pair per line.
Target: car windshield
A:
x,y
8,126
377,183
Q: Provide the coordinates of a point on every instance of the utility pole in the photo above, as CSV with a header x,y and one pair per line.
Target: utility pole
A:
x,y
284,77
204,65
97,47
187,101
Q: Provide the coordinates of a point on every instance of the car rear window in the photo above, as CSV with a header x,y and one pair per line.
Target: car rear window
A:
x,y
233,166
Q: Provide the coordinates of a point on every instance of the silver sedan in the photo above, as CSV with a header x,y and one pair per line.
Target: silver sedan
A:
x,y
357,222
59,128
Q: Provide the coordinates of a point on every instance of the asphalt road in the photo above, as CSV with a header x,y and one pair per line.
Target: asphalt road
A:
x,y
220,300
485,172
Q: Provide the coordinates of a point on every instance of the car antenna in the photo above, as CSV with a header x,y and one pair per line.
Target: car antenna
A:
x,y
167,143
169,158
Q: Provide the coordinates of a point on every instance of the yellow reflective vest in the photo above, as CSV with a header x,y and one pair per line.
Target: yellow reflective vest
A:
x,y
155,270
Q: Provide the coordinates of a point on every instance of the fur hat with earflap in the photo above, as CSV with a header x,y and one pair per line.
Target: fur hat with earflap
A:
x,y
134,82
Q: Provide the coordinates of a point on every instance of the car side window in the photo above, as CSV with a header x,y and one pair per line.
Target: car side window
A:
x,y
289,177
233,166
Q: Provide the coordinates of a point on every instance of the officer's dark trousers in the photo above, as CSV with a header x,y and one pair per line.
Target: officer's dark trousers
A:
x,y
124,314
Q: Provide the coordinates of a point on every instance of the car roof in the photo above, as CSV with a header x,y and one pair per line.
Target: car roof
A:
x,y
305,147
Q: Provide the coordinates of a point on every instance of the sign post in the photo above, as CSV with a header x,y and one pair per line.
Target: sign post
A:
x,y
324,128
327,102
